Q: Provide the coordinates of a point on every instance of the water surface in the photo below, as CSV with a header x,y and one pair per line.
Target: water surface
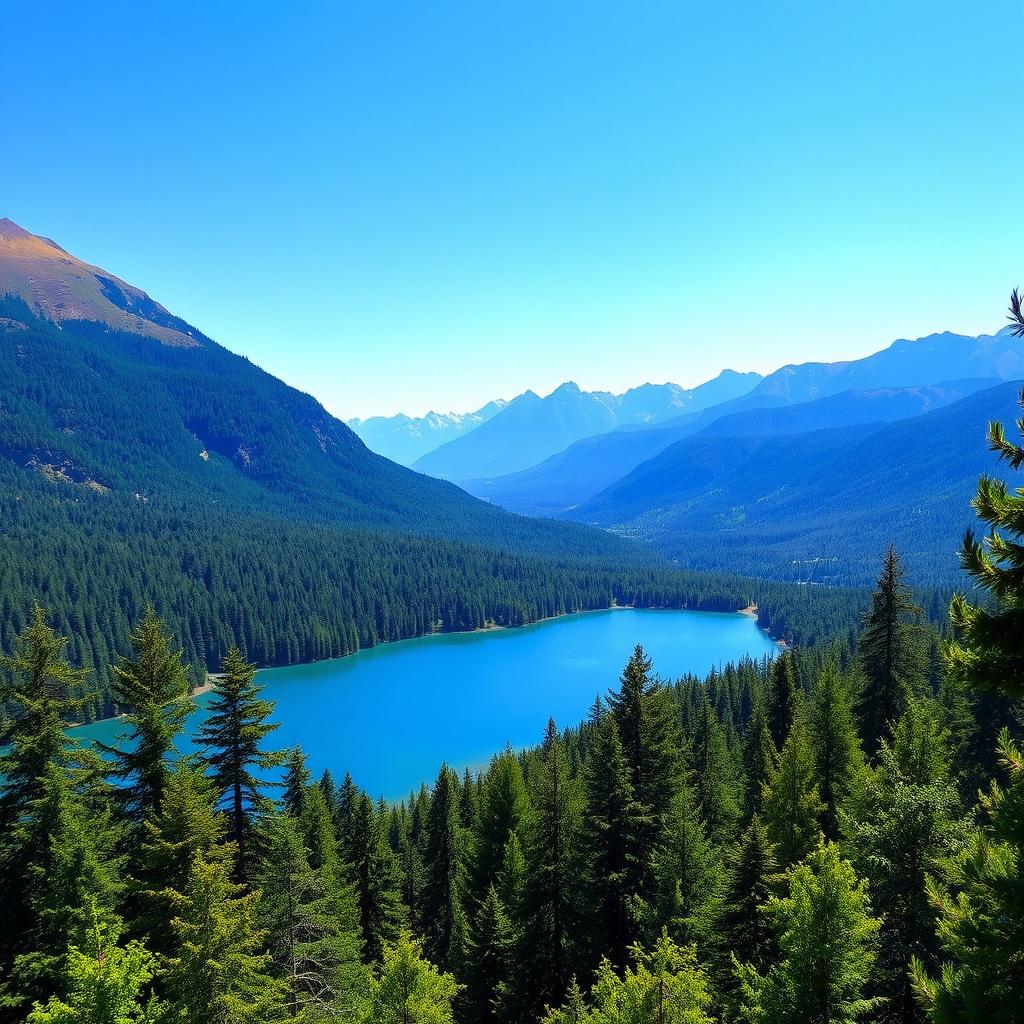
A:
x,y
392,714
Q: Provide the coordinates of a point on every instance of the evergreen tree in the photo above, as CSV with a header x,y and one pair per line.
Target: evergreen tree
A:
x,y
826,938
186,826
319,836
410,989
220,973
296,782
376,880
489,961
504,807
745,925
792,805
784,698
692,876
908,828
443,912
153,686
39,689
105,983
981,920
546,949
71,883
232,735
837,752
890,652
716,787
665,985
611,821
760,756
315,946
648,725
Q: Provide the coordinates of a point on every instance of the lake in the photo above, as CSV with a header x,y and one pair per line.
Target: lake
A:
x,y
392,714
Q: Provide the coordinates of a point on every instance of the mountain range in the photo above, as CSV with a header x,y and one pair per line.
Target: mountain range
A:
x,y
531,428
141,461
819,505
404,439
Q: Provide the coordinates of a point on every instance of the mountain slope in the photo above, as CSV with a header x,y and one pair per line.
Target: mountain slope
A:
x,y
61,288
818,505
576,475
531,429
133,469
404,439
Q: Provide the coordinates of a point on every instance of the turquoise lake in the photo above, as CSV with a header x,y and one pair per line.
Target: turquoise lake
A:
x,y
392,714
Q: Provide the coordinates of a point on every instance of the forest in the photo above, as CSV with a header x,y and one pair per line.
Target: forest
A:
x,y
835,835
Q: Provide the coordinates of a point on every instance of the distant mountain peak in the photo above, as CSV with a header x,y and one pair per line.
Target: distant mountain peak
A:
x,y
62,288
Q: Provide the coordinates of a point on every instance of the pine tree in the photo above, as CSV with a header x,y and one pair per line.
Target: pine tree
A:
x,y
890,653
714,778
504,807
489,961
319,835
105,983
315,945
981,920
442,911
410,989
546,952
837,753
792,805
71,882
648,725
296,782
187,826
906,830
760,756
220,973
665,985
376,880
745,924
153,686
784,698
691,876
40,690
232,735
826,938
611,820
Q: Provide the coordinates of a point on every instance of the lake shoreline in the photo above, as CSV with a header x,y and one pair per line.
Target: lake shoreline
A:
x,y
493,627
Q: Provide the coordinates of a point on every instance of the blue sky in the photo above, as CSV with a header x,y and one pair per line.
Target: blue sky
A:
x,y
412,206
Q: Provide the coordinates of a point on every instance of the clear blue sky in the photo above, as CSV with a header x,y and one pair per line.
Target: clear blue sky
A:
x,y
427,205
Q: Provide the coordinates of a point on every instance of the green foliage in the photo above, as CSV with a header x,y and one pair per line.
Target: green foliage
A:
x,y
980,896
220,971
663,986
376,879
409,988
891,652
232,735
907,827
312,929
612,836
152,687
791,801
826,938
443,911
837,752
546,949
744,925
105,984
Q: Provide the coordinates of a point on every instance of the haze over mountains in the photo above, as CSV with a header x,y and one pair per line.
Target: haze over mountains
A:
x,y
532,428
403,439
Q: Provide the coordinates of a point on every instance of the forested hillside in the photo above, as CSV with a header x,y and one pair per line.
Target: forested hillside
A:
x,y
816,506
585,469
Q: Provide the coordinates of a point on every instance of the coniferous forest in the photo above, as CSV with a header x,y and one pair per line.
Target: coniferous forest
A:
x,y
834,835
